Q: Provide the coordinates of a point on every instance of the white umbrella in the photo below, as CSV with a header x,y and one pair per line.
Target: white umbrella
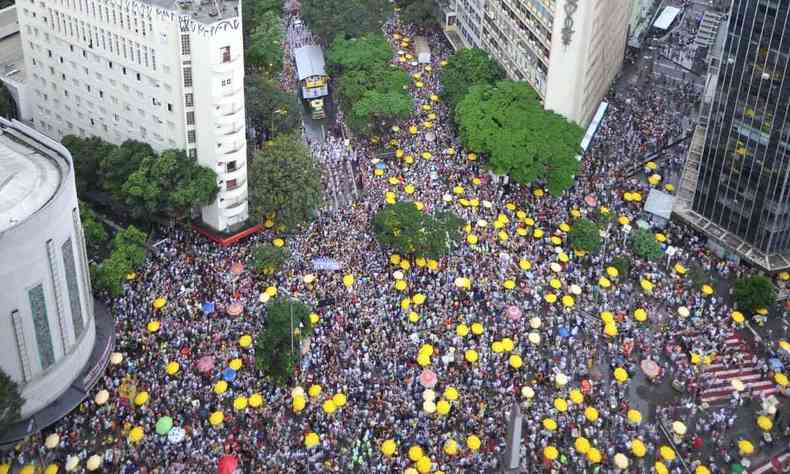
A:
x,y
428,394
679,428
561,380
116,358
683,311
176,435
94,462
535,323
72,463
534,338
101,397
621,460
527,392
576,289
52,441
555,267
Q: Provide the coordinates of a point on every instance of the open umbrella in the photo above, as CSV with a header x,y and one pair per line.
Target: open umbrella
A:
x,y
513,312
428,378
164,425
176,435
205,364
229,375
208,307
235,309
563,332
650,367
227,464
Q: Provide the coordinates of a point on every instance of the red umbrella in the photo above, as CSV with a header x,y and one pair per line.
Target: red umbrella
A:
x,y
235,309
237,268
205,364
227,464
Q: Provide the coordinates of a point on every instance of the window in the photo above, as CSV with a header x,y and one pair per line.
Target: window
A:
x,y
72,285
138,76
232,166
225,54
231,184
169,107
186,47
191,118
191,136
226,82
38,310
189,99
187,77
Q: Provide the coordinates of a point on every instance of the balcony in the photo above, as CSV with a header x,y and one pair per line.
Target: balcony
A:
x,y
230,91
235,193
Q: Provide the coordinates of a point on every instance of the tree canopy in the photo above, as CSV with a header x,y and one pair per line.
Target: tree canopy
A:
x,y
268,107
330,19
268,259
644,245
466,68
128,253
95,234
507,122
11,401
420,13
405,229
255,9
88,155
284,180
585,235
265,48
755,292
273,351
7,103
121,162
355,54
376,110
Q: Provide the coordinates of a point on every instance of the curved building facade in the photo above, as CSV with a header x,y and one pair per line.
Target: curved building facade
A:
x,y
47,329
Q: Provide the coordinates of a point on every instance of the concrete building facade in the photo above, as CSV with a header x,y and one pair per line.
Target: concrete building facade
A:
x,y
47,326
570,51
166,72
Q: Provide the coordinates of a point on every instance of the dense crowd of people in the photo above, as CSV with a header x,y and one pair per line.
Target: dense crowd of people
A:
x,y
473,334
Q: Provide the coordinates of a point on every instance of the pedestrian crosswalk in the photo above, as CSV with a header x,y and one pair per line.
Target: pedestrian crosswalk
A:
x,y
718,377
708,29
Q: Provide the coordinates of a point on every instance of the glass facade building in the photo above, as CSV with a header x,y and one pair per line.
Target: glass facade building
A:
x,y
743,184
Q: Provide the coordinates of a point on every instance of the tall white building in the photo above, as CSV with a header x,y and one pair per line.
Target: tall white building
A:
x,y
166,72
570,51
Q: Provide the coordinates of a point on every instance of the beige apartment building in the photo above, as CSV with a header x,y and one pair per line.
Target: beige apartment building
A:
x,y
570,51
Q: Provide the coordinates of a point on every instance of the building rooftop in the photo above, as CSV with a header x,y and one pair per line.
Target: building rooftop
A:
x,y
28,180
12,63
203,11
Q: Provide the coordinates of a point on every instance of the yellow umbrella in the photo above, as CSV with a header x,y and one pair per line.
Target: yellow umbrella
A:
x,y
594,456
781,379
764,423
471,239
255,400
610,330
424,465
667,453
240,403
576,396
680,269
707,290
172,368
661,468
141,398
415,453
582,445
477,329
348,280
591,413
524,264
220,387
160,302
634,417
700,469
661,237
561,405
515,361
607,317
604,282
612,272
339,399
153,326
329,407
549,424
136,434
451,393
314,318
620,374
278,242
640,314
442,407
245,341
638,448
235,364
52,469
550,298
473,442
551,453
646,285
623,220
388,447
509,284
401,285
537,233
555,240
216,418
450,447
555,283
471,355
311,439
745,447
462,330
568,301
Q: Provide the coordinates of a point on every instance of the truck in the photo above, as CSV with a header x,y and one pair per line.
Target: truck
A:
x,y
313,80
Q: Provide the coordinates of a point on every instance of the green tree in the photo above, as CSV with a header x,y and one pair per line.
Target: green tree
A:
x,y
355,54
276,353
96,237
376,110
110,274
11,401
466,68
353,84
420,13
87,155
623,265
7,103
585,235
140,192
268,259
755,292
120,163
265,48
130,243
254,9
507,122
644,245
344,18
404,229
284,179
268,107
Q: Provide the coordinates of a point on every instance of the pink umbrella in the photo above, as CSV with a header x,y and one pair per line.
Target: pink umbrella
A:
x,y
237,268
428,378
227,464
591,200
513,312
235,309
205,364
